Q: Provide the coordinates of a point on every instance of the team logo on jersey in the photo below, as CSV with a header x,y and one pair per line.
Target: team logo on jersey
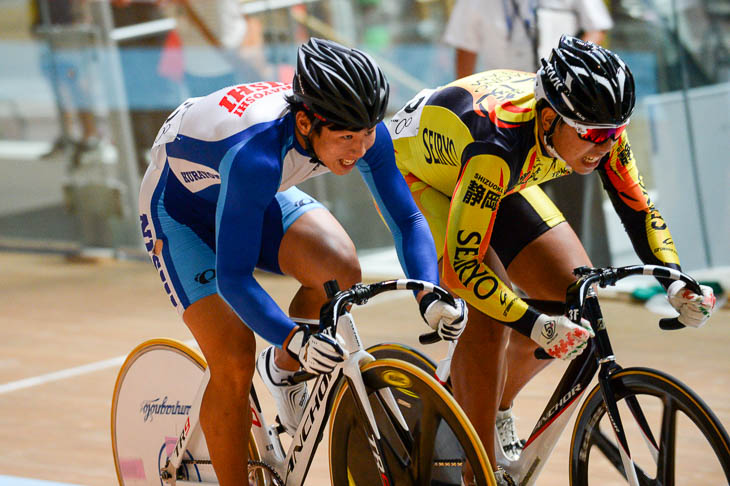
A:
x,y
478,194
195,177
504,96
237,99
440,149
530,175
206,276
303,202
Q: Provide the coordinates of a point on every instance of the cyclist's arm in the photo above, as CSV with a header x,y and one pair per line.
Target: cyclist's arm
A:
x,y
644,224
250,178
411,235
472,213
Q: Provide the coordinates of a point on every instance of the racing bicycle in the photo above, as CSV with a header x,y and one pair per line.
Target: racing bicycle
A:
x,y
399,423
637,426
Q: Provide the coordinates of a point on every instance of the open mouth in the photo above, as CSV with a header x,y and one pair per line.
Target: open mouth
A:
x,y
347,161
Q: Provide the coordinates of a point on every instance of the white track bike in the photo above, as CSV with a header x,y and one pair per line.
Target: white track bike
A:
x,y
390,422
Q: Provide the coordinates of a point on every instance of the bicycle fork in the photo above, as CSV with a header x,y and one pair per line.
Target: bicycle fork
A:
x,y
352,373
608,367
354,378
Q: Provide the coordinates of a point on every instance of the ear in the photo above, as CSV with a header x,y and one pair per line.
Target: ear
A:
x,y
547,116
304,124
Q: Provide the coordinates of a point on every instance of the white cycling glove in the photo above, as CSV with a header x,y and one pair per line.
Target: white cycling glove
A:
x,y
317,353
447,320
694,309
560,337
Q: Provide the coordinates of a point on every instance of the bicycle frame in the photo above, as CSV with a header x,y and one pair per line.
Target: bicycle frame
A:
x,y
293,466
582,301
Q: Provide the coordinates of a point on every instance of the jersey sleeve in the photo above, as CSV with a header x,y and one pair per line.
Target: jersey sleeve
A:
x,y
644,224
411,235
250,178
482,184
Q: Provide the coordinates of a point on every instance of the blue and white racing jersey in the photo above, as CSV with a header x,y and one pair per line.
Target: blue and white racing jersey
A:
x,y
219,162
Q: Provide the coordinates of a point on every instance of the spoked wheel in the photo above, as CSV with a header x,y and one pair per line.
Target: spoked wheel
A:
x,y
438,445
673,436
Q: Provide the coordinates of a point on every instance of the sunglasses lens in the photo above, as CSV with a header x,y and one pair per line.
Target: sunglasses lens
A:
x,y
600,135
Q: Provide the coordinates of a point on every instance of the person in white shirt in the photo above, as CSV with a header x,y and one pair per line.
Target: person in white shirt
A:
x,y
514,34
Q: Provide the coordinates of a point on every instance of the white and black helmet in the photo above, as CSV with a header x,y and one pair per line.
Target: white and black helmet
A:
x,y
586,83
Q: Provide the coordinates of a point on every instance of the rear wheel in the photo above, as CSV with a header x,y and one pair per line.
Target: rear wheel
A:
x,y
152,397
437,446
673,436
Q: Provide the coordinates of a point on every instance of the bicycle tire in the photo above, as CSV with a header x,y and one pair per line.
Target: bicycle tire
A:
x,y
403,353
700,454
409,355
145,426
439,432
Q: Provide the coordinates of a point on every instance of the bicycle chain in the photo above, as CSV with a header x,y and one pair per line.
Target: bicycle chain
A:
x,y
277,479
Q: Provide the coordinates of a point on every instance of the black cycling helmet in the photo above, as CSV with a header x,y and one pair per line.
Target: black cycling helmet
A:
x,y
339,85
586,83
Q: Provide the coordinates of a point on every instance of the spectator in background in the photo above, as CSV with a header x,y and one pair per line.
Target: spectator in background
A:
x,y
220,46
150,95
65,61
504,32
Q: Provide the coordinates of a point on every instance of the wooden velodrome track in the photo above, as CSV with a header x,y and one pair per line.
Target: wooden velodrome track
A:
x,y
67,326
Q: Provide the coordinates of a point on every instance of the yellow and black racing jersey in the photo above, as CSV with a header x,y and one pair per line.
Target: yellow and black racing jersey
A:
x,y
475,141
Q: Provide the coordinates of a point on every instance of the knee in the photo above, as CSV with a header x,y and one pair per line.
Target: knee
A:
x,y
234,372
349,272
483,331
342,265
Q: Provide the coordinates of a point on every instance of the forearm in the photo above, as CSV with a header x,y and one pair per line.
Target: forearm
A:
x,y
595,36
465,63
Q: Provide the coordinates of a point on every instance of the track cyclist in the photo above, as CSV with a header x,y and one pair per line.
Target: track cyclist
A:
x,y
219,200
473,153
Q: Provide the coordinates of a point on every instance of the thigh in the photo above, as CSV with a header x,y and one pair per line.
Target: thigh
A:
x,y
316,248
543,268
283,212
228,345
522,217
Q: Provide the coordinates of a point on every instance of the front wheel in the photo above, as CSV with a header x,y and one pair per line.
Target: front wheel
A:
x,y
673,436
438,445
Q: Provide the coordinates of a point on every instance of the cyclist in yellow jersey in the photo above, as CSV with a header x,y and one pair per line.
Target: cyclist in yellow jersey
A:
x,y
473,153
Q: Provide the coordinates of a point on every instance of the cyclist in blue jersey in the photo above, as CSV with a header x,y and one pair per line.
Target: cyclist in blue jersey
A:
x,y
219,200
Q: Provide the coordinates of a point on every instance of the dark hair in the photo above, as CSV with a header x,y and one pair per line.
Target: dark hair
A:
x,y
296,106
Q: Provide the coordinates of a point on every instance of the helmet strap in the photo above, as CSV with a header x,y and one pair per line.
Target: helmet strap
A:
x,y
547,139
308,147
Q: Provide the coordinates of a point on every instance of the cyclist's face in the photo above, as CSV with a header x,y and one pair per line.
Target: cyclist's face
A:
x,y
581,155
338,150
